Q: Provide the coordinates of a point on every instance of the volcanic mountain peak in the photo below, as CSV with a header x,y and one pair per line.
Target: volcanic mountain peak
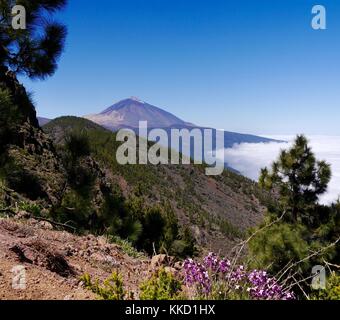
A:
x,y
128,113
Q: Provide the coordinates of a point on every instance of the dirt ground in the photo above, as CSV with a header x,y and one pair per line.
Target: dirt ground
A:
x,y
37,263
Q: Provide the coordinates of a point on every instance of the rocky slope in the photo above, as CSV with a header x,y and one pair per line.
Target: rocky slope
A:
x,y
42,121
28,160
54,261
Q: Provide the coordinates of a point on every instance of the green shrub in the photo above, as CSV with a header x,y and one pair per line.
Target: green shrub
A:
x,y
23,181
126,246
32,208
161,286
75,208
78,144
184,246
10,116
111,289
153,229
278,245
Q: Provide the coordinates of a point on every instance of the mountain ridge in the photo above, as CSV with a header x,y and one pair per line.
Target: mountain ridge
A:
x,y
42,121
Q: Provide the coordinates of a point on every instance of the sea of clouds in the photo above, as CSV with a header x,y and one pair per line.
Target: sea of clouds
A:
x,y
249,158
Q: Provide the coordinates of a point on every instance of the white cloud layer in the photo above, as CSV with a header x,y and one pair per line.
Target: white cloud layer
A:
x,y
249,158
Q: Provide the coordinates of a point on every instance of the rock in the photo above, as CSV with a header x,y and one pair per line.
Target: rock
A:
x,y
45,212
91,237
102,241
178,265
33,221
99,257
22,215
170,270
45,225
69,251
77,268
111,261
159,261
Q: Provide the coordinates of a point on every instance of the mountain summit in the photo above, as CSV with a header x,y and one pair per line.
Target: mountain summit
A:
x,y
128,113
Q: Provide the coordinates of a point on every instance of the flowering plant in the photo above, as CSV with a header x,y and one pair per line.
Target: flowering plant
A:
x,y
216,278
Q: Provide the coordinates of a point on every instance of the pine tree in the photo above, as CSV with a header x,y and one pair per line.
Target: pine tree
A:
x,y
298,178
33,51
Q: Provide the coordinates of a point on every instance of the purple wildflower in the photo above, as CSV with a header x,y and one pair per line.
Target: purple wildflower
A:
x,y
256,283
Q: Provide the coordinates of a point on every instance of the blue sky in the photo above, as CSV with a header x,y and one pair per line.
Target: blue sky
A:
x,y
246,66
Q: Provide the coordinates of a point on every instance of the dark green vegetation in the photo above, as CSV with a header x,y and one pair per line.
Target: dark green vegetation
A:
x,y
300,232
27,158
111,289
150,228
300,179
161,286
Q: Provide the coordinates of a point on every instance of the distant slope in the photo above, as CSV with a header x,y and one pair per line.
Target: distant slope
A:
x,y
42,121
59,127
218,210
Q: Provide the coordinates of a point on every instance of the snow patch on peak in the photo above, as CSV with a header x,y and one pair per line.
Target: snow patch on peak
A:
x,y
137,99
